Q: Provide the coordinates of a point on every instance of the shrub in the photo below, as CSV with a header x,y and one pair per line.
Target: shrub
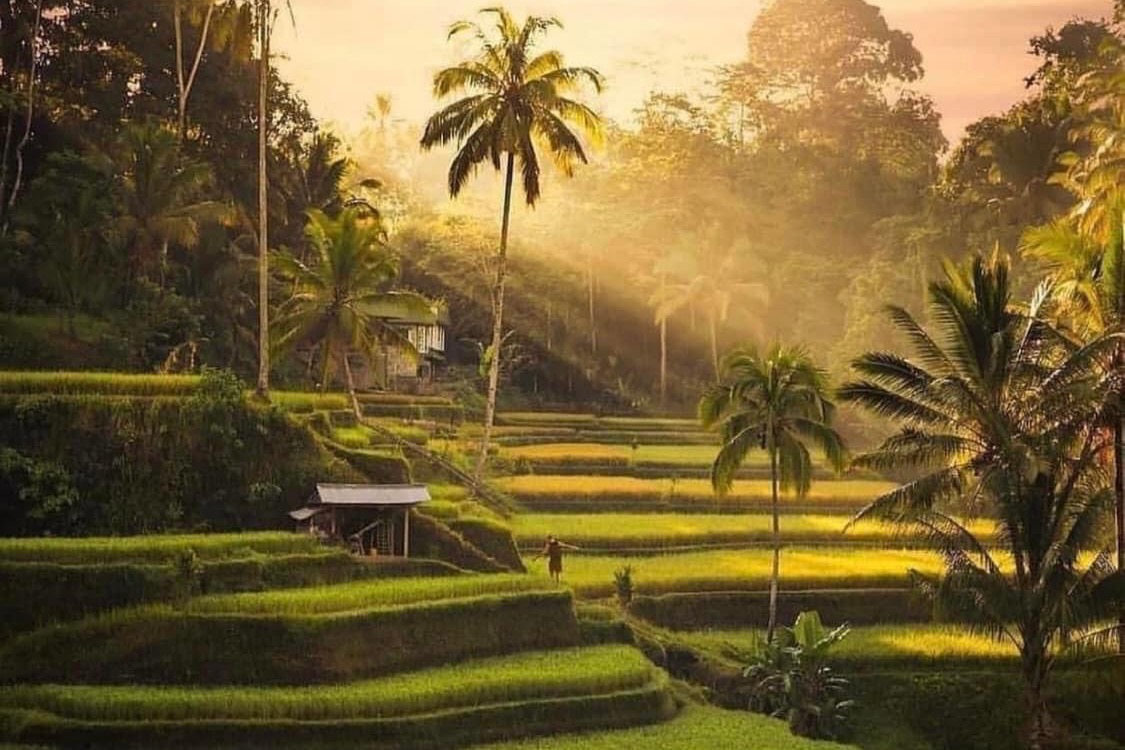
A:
x,y
36,497
623,584
790,680
152,464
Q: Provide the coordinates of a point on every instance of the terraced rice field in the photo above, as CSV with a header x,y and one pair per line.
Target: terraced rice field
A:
x,y
616,493
531,675
370,594
155,548
919,646
623,455
696,728
620,532
741,570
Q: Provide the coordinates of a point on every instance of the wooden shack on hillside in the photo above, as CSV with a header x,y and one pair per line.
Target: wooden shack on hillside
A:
x,y
372,519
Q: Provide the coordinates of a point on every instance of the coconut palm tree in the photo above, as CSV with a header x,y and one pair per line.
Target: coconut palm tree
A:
x,y
777,402
341,303
1086,262
515,105
264,17
710,281
1001,413
160,190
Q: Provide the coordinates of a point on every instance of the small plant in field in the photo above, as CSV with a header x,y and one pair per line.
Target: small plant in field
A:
x,y
623,584
189,570
790,680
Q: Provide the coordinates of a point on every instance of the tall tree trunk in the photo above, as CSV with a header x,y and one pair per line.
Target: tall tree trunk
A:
x,y
9,131
351,385
775,572
1119,512
497,322
32,68
263,205
663,361
590,295
183,88
713,327
550,316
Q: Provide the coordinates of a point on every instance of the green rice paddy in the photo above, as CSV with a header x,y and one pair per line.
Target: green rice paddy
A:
x,y
525,676
802,568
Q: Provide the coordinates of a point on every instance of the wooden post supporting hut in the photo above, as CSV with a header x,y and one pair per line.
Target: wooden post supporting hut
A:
x,y
372,519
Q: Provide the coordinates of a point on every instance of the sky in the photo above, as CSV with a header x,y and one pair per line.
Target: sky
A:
x,y
341,53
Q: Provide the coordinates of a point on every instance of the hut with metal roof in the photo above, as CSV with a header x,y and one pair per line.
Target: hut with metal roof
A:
x,y
371,518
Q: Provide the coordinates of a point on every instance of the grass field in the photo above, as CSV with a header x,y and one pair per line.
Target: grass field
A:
x,y
155,548
103,383
623,531
590,491
696,728
624,455
908,647
740,570
368,594
531,675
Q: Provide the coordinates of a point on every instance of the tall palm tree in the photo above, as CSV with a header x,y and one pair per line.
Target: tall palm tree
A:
x,y
777,402
515,104
341,302
160,191
1086,262
710,281
1001,413
265,17
1084,251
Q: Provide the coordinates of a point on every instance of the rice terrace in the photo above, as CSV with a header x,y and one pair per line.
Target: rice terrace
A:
x,y
562,375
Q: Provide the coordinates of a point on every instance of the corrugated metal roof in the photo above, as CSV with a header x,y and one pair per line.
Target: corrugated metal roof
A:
x,y
304,514
371,494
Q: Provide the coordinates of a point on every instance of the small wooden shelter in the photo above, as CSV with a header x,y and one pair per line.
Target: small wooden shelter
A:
x,y
374,519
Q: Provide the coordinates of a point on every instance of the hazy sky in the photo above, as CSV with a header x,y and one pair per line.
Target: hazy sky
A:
x,y
343,52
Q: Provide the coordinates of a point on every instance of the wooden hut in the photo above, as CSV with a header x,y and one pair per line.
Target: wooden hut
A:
x,y
373,519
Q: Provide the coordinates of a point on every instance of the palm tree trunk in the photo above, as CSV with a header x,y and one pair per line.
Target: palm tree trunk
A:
x,y
351,385
663,361
775,572
30,105
590,295
183,88
713,326
497,321
1119,512
263,207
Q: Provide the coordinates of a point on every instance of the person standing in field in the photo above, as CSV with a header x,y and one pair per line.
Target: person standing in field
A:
x,y
553,551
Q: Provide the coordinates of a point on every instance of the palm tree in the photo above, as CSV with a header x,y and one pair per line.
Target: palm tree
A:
x,y
264,18
515,105
712,282
340,302
779,403
1086,262
159,194
1084,252
999,412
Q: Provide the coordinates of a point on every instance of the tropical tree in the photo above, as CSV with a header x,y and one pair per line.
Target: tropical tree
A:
x,y
341,302
1001,413
1084,251
710,281
515,105
220,24
265,16
777,402
160,194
